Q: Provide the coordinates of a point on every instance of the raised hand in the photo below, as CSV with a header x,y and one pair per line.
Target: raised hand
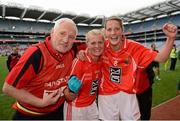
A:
x,y
170,30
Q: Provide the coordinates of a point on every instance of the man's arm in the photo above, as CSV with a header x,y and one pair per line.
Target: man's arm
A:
x,y
78,47
26,97
170,31
31,63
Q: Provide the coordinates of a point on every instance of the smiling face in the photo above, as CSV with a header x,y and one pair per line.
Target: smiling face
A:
x,y
63,34
114,32
95,43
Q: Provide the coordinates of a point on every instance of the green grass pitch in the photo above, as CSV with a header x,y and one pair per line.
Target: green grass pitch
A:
x,y
163,90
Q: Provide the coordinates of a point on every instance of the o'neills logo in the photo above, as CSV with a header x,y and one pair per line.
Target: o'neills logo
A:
x,y
56,83
60,66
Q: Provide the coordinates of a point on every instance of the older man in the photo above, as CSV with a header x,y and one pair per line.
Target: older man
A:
x,y
38,80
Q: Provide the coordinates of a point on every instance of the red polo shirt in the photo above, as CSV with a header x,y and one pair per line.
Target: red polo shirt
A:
x,y
41,70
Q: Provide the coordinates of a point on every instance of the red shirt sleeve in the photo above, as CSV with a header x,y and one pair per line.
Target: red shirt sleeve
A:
x,y
81,47
144,56
77,68
26,69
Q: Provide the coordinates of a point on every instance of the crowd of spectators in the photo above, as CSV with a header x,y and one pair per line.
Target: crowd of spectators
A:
x,y
6,50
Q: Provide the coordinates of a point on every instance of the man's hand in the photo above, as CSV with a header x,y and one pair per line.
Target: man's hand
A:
x,y
50,99
170,30
81,55
22,95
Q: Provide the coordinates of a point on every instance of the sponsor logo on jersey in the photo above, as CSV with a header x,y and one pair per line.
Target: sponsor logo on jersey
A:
x,y
56,83
94,87
47,92
60,66
115,74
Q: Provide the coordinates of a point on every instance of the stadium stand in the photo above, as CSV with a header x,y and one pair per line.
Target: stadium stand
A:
x,y
21,25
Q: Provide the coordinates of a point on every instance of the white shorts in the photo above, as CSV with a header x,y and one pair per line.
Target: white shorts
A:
x,y
81,113
120,106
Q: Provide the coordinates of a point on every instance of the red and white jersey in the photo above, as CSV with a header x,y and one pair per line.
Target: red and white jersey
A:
x,y
41,70
89,73
119,68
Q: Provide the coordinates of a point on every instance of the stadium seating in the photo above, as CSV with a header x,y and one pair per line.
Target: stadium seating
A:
x,y
18,31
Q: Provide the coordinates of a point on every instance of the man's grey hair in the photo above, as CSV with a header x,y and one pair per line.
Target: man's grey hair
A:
x,y
58,23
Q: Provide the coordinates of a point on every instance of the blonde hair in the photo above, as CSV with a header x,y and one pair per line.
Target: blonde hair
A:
x,y
59,21
116,18
94,32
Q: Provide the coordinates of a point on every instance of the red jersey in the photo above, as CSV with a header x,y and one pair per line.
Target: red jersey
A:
x,y
89,73
119,68
40,71
12,60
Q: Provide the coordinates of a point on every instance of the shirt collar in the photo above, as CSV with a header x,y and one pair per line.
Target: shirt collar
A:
x,y
53,52
89,59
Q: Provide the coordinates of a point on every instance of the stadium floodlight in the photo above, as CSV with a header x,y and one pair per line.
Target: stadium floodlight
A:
x,y
136,21
96,25
82,24
150,18
161,16
175,13
12,17
29,19
45,21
